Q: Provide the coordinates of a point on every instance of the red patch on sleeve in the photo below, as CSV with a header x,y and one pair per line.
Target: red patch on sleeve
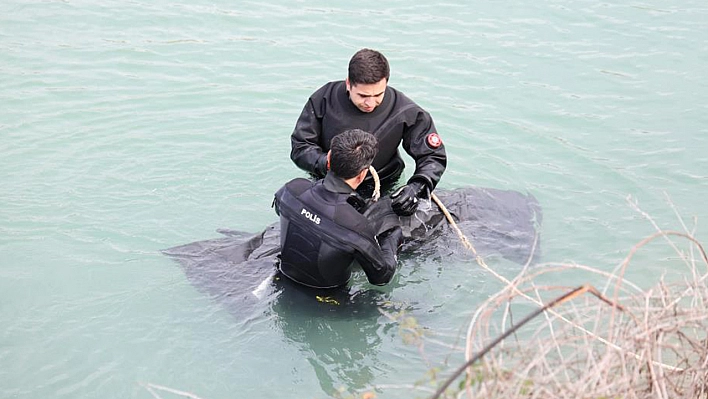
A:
x,y
433,140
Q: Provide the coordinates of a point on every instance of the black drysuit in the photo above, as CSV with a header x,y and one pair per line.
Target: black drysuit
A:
x,y
329,112
322,235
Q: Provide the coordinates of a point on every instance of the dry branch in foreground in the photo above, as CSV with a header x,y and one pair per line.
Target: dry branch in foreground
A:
x,y
622,343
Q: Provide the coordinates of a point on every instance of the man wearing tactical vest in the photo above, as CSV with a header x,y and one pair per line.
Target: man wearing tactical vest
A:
x,y
323,232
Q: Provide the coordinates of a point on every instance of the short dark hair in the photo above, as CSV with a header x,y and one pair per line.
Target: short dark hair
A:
x,y
352,152
367,67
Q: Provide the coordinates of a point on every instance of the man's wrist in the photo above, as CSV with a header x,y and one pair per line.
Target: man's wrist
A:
x,y
418,186
321,165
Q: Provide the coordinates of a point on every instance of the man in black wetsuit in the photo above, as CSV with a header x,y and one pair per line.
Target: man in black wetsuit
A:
x,y
322,232
365,101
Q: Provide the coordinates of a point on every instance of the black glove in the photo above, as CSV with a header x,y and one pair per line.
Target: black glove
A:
x,y
405,199
321,166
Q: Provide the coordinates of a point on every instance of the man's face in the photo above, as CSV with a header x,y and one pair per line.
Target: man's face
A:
x,y
367,97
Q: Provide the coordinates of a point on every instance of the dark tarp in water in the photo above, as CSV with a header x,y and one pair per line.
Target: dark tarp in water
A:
x,y
238,272
237,268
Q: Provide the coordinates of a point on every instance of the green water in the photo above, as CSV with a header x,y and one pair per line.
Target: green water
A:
x,y
128,127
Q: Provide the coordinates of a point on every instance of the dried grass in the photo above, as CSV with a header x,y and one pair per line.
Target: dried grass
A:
x,y
621,342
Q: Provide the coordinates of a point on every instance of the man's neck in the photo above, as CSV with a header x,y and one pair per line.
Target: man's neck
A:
x,y
354,182
336,184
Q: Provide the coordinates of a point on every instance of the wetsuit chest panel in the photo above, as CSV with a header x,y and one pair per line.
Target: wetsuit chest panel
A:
x,y
338,114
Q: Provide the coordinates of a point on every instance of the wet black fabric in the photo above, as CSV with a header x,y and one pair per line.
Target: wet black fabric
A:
x,y
238,268
496,222
397,120
322,235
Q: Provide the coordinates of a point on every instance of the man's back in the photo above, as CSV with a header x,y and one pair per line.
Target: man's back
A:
x,y
322,235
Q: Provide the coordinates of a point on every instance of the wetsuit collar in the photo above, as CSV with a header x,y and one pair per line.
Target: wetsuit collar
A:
x,y
336,184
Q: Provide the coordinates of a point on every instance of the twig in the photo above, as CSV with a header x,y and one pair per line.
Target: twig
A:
x,y
565,297
480,261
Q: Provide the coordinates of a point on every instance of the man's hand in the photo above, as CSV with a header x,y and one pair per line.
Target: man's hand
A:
x,y
405,199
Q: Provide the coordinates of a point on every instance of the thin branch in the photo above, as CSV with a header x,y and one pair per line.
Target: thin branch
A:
x,y
565,297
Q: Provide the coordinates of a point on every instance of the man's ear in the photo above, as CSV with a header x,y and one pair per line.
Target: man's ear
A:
x,y
329,155
362,175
